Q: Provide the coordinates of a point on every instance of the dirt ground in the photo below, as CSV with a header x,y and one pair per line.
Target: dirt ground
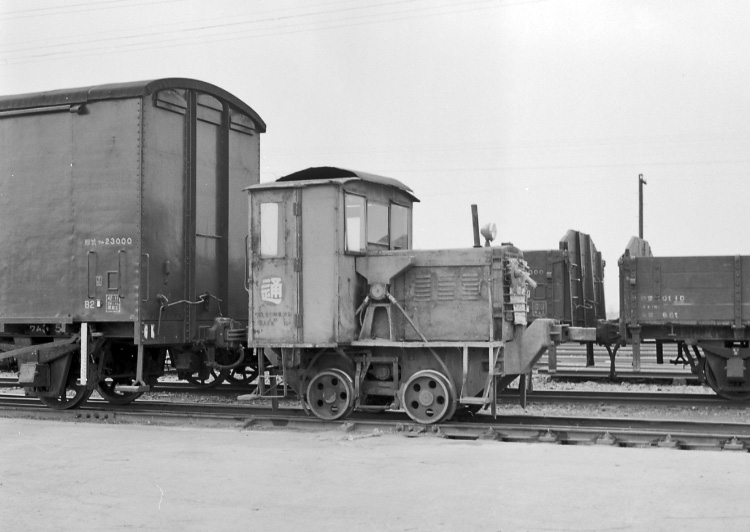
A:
x,y
85,477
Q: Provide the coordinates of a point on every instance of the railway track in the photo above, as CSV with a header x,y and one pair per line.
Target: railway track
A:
x,y
566,430
507,396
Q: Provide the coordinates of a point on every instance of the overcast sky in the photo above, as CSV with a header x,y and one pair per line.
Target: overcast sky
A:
x,y
541,112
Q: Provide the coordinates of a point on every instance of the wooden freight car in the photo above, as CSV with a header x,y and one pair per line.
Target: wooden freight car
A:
x,y
700,303
118,227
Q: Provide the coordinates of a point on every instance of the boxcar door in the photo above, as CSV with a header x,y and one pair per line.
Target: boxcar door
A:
x,y
211,209
276,266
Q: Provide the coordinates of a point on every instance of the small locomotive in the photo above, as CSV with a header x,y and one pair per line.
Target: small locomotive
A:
x,y
355,318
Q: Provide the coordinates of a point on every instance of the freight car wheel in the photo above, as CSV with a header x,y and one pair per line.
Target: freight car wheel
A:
x,y
72,395
109,392
330,394
428,397
243,376
117,366
713,382
207,379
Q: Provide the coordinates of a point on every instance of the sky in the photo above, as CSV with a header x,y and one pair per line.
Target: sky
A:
x,y
543,113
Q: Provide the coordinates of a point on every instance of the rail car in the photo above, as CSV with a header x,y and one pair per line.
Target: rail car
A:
x,y
123,234
569,286
700,303
354,318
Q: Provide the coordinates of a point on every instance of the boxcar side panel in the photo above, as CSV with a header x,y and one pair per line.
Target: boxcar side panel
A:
x,y
36,217
164,192
106,201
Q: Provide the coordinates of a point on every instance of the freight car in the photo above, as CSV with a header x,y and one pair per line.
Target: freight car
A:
x,y
122,230
569,286
699,303
353,317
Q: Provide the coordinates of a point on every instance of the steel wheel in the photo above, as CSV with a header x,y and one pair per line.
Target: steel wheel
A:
x,y
117,372
71,396
109,392
428,397
713,382
243,376
207,378
330,394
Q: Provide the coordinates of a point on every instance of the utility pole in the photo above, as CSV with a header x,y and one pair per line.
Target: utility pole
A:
x,y
641,182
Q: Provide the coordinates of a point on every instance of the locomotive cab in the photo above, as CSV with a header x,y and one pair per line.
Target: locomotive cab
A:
x,y
307,231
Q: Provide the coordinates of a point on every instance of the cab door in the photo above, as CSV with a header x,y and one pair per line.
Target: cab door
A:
x,y
276,263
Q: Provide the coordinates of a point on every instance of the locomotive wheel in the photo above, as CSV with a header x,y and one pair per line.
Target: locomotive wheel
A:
x,y
428,397
713,382
242,376
71,396
330,394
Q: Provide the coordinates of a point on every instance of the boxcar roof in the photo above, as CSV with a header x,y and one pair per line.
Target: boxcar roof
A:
x,y
123,90
328,174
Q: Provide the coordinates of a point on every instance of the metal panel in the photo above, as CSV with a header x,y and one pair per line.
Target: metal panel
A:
x,y
36,216
693,297
320,265
274,316
105,199
244,170
211,192
164,197
447,294
550,270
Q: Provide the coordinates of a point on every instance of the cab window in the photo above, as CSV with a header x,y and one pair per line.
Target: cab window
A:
x,y
355,223
377,224
399,227
271,229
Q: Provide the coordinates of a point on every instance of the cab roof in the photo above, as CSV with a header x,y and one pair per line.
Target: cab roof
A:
x,y
321,175
131,89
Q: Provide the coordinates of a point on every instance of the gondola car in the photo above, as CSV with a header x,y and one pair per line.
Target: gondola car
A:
x,y
700,303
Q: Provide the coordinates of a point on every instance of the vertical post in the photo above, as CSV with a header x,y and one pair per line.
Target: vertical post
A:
x,y
590,354
641,182
475,222
84,354
659,352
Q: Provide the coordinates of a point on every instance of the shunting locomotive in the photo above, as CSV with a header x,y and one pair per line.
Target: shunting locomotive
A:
x,y
356,318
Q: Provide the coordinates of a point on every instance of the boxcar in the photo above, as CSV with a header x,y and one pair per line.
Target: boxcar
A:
x,y
118,227
701,303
